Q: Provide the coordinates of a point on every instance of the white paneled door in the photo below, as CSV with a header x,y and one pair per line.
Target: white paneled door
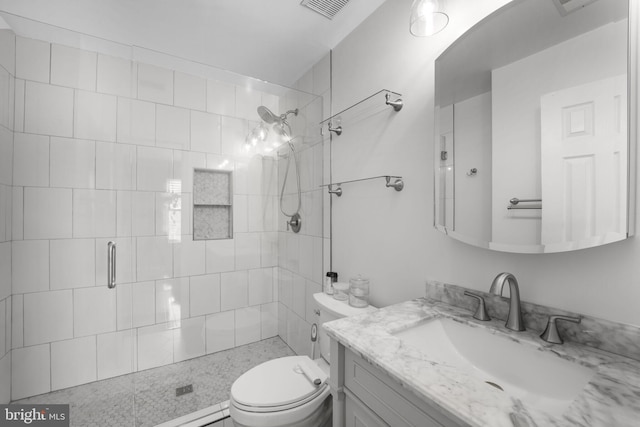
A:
x,y
584,164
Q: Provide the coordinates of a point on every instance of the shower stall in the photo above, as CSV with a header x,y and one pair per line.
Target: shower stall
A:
x,y
105,294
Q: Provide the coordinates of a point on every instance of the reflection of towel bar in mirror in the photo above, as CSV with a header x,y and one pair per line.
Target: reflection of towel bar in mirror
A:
x,y
514,203
398,184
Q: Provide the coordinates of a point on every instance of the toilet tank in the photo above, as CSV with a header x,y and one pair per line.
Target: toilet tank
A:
x,y
332,309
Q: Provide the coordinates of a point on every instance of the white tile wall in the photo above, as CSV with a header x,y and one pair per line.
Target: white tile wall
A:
x,y
17,321
94,213
260,286
155,346
172,127
125,260
72,163
31,371
48,110
169,215
136,122
234,132
189,339
205,294
72,263
234,290
221,98
115,166
143,214
48,316
220,331
247,250
188,257
247,102
144,304
190,91
220,255
19,105
205,132
116,354
155,84
184,162
154,258
115,76
94,311
8,50
5,269
32,59
95,116
73,362
172,301
248,325
155,168
47,213
240,213
73,67
31,160
5,378
6,153
269,320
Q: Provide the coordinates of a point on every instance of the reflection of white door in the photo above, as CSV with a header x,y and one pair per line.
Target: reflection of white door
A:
x,y
584,164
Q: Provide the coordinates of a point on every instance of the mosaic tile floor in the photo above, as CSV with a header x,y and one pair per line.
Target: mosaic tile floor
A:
x,y
112,402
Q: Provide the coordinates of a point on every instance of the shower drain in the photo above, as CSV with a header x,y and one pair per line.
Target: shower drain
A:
x,y
184,390
494,385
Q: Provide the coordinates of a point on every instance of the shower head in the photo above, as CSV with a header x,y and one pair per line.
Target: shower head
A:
x,y
267,116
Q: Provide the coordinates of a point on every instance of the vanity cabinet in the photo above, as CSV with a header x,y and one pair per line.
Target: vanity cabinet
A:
x,y
365,396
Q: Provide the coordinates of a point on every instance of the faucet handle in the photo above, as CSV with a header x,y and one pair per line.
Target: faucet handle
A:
x,y
551,333
481,311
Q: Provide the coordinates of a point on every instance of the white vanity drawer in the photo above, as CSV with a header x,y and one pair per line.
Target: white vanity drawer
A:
x,y
358,415
396,406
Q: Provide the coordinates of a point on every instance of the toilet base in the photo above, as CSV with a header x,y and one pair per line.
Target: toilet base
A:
x,y
321,417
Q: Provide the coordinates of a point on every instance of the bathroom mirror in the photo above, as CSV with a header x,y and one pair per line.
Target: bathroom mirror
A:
x,y
534,145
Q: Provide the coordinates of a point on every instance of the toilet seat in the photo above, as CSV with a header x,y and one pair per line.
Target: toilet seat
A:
x,y
279,385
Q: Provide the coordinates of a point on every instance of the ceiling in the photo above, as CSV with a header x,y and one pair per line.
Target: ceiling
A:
x,y
272,40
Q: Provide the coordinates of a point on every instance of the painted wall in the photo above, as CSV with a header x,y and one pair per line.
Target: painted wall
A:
x,y
389,235
104,149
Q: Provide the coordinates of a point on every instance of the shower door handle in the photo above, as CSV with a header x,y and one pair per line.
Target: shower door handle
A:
x,y
111,265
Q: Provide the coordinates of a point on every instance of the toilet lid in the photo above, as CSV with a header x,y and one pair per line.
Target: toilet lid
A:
x,y
278,382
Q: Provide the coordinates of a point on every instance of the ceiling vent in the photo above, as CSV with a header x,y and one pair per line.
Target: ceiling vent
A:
x,y
565,7
327,8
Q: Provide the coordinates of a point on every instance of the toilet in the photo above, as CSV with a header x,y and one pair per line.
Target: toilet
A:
x,y
290,391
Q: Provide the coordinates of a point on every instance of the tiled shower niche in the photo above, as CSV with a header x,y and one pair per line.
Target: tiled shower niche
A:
x,y
212,207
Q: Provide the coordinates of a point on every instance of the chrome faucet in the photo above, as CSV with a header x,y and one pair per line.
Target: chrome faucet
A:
x,y
514,320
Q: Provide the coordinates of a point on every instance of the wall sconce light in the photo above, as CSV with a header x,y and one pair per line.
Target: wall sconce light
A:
x,y
427,18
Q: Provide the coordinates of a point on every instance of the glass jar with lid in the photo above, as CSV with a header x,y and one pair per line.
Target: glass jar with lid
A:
x,y
359,291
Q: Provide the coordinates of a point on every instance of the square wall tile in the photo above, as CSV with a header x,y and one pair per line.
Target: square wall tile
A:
x,y
155,84
221,98
73,67
6,156
115,166
115,76
172,127
172,301
269,251
220,255
8,50
7,98
220,331
247,102
124,206
188,257
116,354
190,91
5,269
48,316
17,321
189,339
299,289
30,371
47,213
144,304
95,116
124,306
248,325
205,132
154,258
155,169
234,290
205,294
48,110
32,59
184,162
247,250
260,286
94,311
169,213
234,132
73,362
155,346
73,163
269,320
94,213
143,214
18,118
72,263
136,122
30,160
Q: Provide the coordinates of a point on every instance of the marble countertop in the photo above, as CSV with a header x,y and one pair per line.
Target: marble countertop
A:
x,y
611,398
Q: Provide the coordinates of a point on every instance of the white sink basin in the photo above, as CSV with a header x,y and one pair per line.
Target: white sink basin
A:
x,y
539,379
